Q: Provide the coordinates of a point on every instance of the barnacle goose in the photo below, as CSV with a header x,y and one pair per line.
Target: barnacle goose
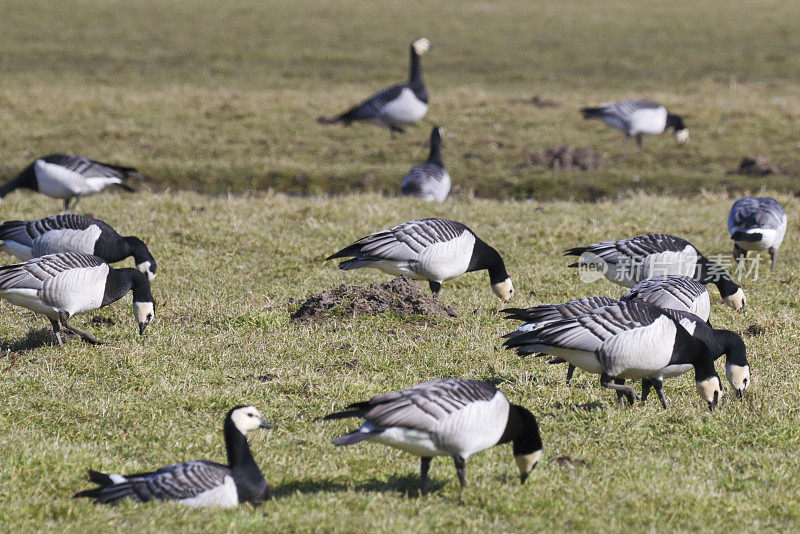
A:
x,y
74,233
673,292
69,176
435,250
69,283
395,106
447,417
632,260
430,180
756,223
197,483
637,118
624,340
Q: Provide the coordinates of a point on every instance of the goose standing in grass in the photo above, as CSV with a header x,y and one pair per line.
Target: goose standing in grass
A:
x,y
630,261
70,283
637,118
396,106
430,180
197,483
69,177
624,340
446,417
74,233
756,223
435,250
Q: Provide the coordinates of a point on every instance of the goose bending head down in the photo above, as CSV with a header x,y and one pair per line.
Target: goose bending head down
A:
x,y
62,285
74,233
446,417
197,483
435,250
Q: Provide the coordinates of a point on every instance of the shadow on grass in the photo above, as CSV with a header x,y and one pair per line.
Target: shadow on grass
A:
x,y
405,485
32,340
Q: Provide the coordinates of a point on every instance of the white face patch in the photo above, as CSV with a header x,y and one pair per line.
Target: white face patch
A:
x,y
738,377
144,268
527,463
710,389
246,419
735,301
421,46
504,290
681,136
144,313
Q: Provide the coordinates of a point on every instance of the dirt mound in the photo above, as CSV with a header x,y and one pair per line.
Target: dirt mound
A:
x,y
399,295
566,158
538,102
757,166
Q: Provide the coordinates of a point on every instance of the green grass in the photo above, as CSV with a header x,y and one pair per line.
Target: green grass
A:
x,y
220,98
228,267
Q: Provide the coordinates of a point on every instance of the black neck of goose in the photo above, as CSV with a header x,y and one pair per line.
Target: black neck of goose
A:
x,y
133,246
708,272
24,180
120,281
675,122
435,155
415,69
485,257
691,350
732,346
522,429
236,445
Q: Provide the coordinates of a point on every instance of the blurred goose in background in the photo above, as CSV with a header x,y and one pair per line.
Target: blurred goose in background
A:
x,y
69,177
395,106
430,180
197,483
756,223
632,260
624,340
74,233
446,417
70,283
637,118
435,250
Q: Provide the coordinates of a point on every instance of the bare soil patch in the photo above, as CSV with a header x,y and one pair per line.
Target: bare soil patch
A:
x,y
400,296
566,158
757,166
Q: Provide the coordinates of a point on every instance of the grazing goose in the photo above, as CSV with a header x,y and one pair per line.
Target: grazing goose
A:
x,y
630,261
435,250
639,117
430,180
624,340
69,176
756,223
673,292
69,283
446,417
197,483
74,233
395,106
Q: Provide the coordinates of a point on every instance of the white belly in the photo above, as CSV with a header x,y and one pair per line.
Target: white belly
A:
x,y
416,442
768,238
59,182
581,359
30,299
224,496
445,261
648,121
76,290
66,241
405,109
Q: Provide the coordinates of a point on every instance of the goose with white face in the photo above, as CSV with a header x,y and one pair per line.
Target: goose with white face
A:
x,y
247,419
504,290
710,390
736,301
144,313
421,45
738,377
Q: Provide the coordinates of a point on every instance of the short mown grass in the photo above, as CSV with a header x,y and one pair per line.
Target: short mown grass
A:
x,y
222,336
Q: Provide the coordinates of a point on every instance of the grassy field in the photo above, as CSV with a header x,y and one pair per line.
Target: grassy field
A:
x,y
222,336
216,104
214,97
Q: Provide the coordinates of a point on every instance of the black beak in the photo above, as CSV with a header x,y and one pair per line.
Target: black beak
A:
x,y
142,326
523,478
264,424
739,393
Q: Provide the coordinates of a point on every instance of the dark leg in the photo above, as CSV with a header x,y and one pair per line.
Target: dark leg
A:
x,y
89,338
739,254
570,370
605,381
659,387
773,253
57,331
435,288
646,385
66,204
461,470
424,481
622,396
75,205
396,130
639,141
